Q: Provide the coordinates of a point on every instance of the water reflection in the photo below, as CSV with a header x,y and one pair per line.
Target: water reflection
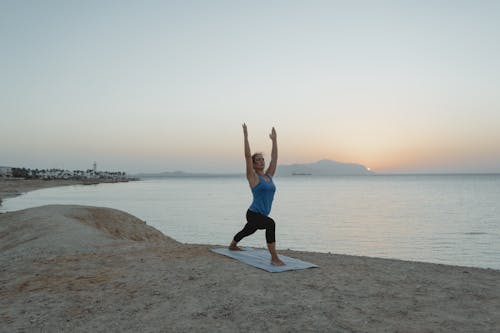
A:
x,y
450,219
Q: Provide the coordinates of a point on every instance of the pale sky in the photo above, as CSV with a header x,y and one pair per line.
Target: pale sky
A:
x,y
398,86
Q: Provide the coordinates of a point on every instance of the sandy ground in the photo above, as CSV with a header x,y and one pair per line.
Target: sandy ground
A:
x,y
89,269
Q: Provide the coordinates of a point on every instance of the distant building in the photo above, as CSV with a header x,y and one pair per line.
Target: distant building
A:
x,y
49,174
5,172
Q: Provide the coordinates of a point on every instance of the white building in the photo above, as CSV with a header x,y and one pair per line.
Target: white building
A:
x,y
5,171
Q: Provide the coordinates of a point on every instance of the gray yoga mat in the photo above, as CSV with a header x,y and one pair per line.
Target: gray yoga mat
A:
x,y
261,258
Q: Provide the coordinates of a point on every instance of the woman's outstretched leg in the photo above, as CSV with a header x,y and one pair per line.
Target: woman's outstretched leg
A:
x,y
249,229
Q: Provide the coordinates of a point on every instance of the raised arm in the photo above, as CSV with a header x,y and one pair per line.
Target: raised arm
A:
x,y
252,177
274,154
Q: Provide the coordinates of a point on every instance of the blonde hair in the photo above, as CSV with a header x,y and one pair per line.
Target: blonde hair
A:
x,y
255,155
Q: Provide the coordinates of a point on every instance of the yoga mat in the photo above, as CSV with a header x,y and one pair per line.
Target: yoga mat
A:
x,y
261,258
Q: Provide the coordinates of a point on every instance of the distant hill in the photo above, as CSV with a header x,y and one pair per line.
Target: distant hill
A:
x,y
323,168
320,168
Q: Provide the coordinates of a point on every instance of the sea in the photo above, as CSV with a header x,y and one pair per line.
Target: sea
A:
x,y
446,219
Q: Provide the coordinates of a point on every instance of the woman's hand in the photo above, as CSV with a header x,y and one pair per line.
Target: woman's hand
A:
x,y
273,134
274,154
245,132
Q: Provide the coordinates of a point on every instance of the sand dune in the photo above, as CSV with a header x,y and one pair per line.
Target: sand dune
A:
x,y
76,268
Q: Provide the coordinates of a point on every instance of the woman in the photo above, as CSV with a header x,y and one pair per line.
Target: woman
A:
x,y
263,190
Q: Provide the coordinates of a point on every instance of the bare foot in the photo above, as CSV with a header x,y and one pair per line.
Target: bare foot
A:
x,y
277,262
234,247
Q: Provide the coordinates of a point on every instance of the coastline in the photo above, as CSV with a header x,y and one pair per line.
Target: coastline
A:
x,y
13,187
76,268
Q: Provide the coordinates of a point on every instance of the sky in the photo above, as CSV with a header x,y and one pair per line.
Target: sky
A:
x,y
152,86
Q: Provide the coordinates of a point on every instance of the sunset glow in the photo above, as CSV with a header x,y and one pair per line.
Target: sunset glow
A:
x,y
165,86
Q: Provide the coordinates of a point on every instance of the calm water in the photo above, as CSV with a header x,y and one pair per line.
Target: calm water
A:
x,y
453,219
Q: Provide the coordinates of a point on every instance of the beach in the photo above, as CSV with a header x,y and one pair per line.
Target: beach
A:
x,y
67,268
12,187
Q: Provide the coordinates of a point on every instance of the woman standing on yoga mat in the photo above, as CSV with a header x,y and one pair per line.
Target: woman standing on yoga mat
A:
x,y
263,190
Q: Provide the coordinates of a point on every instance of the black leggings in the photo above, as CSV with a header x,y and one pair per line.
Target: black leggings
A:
x,y
257,221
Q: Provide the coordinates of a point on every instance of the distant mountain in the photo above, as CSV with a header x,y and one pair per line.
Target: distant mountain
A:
x,y
320,168
323,168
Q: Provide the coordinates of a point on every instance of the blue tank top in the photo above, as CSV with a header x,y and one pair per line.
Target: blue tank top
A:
x,y
263,195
